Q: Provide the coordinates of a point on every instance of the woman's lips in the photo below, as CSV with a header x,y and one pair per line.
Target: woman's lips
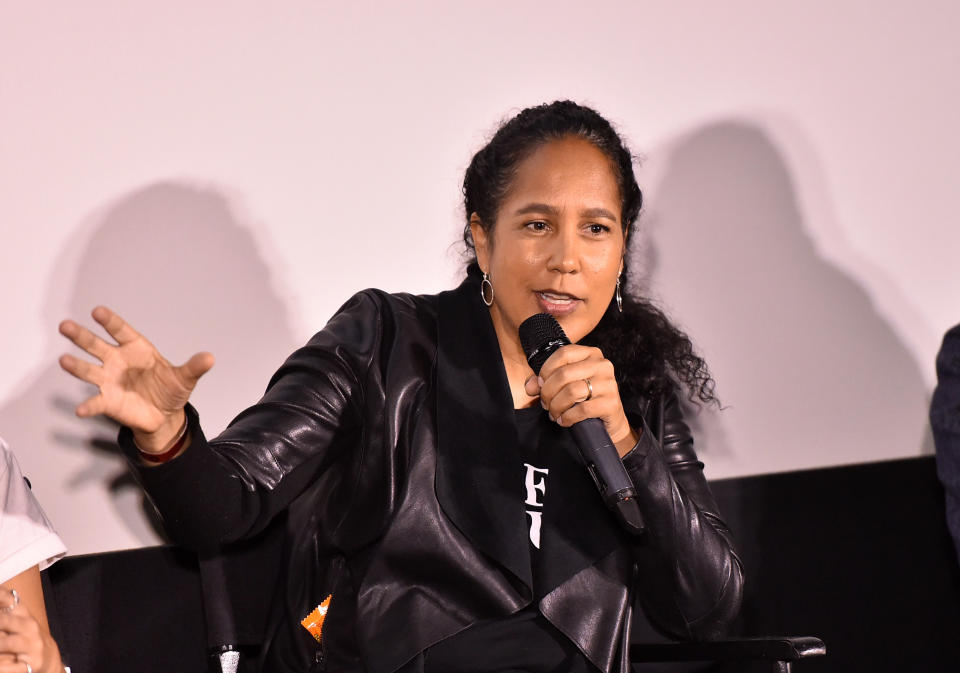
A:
x,y
557,303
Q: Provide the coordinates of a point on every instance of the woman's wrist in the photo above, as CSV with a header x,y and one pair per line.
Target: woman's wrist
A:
x,y
627,442
52,663
164,443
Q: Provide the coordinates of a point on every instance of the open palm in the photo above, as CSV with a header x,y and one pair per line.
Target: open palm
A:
x,y
137,386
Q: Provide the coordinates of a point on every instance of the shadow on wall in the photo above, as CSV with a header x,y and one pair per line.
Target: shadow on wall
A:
x,y
174,260
812,374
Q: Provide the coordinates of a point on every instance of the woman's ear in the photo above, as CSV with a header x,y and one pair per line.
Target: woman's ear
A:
x,y
626,244
481,242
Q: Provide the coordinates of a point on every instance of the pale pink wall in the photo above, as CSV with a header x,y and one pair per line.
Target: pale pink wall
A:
x,y
799,174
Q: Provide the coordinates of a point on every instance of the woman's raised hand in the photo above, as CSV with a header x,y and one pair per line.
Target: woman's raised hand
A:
x,y
138,387
578,382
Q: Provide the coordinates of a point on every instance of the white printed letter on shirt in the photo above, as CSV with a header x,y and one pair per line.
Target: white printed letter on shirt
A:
x,y
536,484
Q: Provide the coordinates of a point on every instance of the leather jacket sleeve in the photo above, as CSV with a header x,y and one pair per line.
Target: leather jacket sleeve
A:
x,y
690,579
231,487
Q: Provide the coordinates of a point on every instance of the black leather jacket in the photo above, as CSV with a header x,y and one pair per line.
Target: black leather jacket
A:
x,y
390,440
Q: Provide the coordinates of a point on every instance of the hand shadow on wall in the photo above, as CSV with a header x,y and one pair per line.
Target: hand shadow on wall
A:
x,y
176,262
812,373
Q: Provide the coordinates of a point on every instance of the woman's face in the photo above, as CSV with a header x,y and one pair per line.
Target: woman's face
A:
x,y
557,245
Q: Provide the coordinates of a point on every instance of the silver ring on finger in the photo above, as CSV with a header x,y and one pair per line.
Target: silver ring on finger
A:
x,y
16,601
589,390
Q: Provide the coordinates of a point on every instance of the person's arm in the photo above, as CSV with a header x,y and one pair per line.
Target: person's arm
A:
x,y
690,577
24,631
230,487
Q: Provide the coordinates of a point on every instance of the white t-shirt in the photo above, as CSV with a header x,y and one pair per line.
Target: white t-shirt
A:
x,y
27,537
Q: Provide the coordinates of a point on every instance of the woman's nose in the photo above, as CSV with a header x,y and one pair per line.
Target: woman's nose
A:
x,y
564,253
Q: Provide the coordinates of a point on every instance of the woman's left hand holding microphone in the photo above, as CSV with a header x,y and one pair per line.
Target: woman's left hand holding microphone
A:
x,y
578,382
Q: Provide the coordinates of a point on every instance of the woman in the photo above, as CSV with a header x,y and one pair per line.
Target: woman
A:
x,y
28,544
427,492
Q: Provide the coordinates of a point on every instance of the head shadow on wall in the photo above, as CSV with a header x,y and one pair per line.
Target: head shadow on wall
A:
x,y
811,372
178,264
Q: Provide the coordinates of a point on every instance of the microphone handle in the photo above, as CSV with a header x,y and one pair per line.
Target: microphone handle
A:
x,y
603,462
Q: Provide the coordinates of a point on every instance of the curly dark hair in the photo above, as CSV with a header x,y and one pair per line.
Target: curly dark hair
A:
x,y
650,354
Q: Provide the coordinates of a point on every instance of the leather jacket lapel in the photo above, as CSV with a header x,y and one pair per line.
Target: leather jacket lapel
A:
x,y
578,530
592,606
478,465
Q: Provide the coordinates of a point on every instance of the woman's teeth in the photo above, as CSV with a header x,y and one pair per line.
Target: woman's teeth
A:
x,y
556,298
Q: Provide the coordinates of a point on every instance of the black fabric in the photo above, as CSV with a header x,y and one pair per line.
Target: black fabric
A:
x,y
525,642
575,523
858,555
827,551
390,440
566,504
136,610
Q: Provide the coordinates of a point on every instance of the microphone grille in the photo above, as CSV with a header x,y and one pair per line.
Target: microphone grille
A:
x,y
540,335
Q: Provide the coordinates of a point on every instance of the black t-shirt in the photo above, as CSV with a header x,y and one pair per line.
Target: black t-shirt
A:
x,y
526,641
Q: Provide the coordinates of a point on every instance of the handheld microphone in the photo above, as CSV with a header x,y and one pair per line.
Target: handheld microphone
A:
x,y
540,336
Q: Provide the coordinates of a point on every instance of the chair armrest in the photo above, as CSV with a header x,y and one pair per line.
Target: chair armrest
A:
x,y
768,648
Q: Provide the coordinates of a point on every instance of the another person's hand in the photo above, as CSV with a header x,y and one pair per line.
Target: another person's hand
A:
x,y
579,383
25,645
138,387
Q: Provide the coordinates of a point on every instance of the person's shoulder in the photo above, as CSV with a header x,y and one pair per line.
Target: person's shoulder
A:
x,y
949,354
398,301
376,304
377,314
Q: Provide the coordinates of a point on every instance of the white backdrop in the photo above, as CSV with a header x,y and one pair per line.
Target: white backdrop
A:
x,y
227,174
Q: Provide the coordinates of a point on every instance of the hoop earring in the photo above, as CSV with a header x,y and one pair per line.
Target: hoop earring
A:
x,y
619,298
484,284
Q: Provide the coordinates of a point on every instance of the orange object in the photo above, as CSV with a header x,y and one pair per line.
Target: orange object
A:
x,y
314,621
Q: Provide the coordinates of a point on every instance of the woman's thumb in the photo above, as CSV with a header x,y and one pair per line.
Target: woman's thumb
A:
x,y
197,366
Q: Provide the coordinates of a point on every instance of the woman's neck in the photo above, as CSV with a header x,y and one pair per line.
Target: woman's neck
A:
x,y
514,362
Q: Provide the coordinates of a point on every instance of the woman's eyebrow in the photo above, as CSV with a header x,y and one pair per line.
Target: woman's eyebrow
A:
x,y
598,213
553,211
537,208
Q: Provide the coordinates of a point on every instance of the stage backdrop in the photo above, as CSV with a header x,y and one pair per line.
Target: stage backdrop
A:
x,y
227,174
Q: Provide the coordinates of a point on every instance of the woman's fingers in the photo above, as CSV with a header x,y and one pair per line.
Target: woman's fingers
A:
x,y
19,632
572,401
570,379
116,326
85,339
92,406
14,643
198,365
83,370
567,355
138,387
568,397
16,666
